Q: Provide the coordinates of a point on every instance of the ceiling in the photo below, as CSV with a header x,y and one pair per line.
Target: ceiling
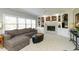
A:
x,y
42,11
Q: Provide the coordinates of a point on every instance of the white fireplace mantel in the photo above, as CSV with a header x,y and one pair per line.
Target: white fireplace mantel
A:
x,y
54,23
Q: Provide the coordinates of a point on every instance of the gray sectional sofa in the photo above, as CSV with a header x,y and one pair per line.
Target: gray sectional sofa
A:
x,y
17,39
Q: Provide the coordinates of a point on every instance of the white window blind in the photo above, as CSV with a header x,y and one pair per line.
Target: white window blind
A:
x,y
21,23
10,22
33,23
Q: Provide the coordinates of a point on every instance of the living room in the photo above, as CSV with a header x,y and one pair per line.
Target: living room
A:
x,y
53,24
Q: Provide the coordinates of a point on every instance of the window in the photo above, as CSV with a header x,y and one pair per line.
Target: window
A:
x,y
10,22
21,23
28,23
33,23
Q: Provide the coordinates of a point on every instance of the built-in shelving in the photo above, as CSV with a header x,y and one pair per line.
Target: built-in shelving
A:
x,y
65,21
42,20
62,20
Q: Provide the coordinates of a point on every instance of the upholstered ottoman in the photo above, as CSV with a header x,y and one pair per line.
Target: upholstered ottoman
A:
x,y
37,37
17,43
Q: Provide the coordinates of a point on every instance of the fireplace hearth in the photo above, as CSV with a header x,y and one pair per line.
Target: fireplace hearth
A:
x,y
50,28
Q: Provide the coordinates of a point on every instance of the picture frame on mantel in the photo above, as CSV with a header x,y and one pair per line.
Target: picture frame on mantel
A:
x,y
53,18
48,18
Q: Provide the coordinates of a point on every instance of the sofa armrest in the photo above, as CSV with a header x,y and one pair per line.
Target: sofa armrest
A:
x,y
7,37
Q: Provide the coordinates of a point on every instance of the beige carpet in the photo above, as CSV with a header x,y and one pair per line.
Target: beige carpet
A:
x,y
51,42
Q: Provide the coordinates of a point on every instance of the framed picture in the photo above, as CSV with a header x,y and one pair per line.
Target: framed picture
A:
x,y
53,18
48,18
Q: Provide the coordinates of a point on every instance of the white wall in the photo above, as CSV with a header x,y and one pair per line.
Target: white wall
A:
x,y
63,31
14,13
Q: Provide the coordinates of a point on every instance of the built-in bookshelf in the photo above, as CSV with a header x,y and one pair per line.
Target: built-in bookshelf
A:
x,y
65,21
59,18
59,21
40,22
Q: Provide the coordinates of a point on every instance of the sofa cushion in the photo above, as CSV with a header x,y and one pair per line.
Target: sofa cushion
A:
x,y
17,40
20,31
28,30
12,33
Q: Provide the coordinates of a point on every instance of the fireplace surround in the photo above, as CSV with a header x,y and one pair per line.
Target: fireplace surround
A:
x,y
50,28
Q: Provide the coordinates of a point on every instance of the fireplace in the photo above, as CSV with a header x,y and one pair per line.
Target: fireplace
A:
x,y
50,28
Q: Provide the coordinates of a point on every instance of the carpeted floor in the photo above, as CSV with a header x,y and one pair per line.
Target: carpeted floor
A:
x,y
51,42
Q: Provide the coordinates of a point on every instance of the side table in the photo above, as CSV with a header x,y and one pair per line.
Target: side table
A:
x,y
1,41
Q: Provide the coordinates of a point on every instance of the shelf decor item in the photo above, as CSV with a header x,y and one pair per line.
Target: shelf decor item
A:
x,y
38,21
59,18
42,21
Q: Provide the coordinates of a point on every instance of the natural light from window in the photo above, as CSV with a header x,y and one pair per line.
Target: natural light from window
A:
x,y
12,22
21,23
28,23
